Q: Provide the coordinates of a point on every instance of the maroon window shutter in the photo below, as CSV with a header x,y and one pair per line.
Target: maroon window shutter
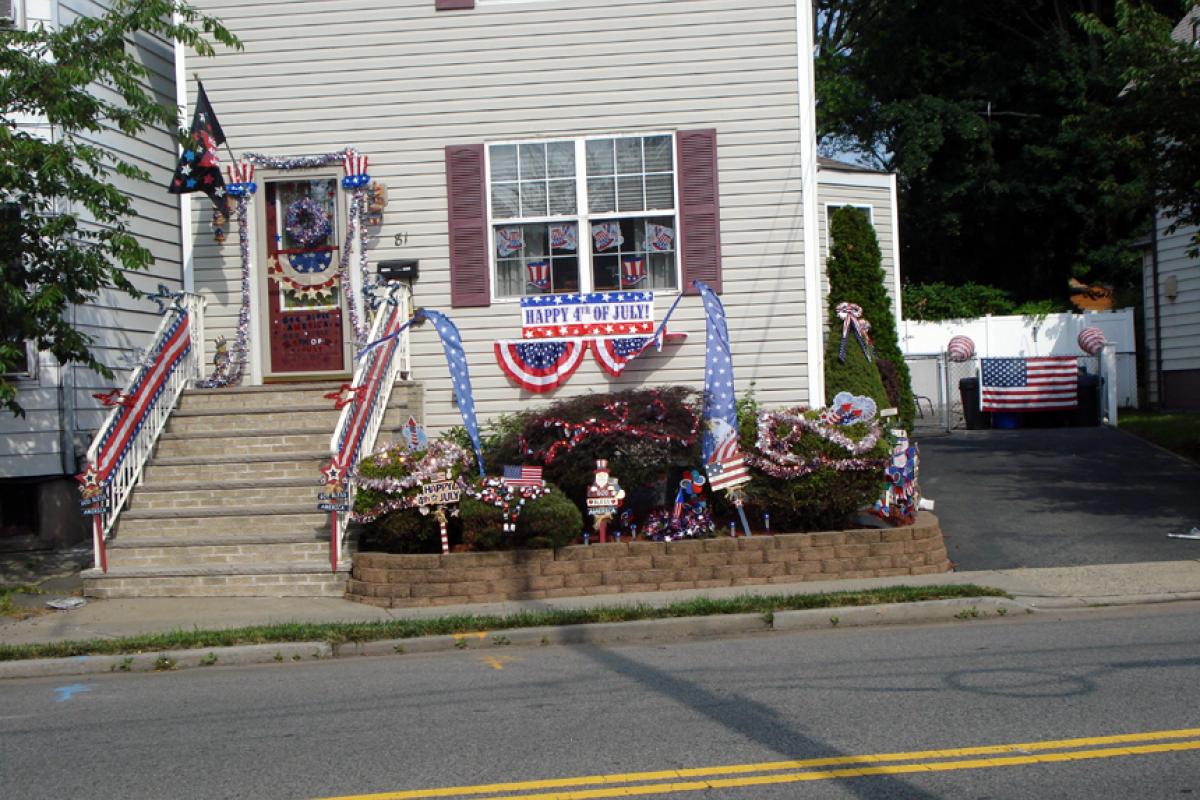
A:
x,y
452,5
699,208
469,285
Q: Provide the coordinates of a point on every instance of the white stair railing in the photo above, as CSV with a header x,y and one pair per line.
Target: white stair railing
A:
x,y
127,437
363,413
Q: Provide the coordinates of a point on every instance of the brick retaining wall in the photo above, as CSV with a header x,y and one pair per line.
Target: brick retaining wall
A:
x,y
397,581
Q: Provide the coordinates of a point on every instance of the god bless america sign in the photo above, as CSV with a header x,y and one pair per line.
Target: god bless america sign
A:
x,y
601,315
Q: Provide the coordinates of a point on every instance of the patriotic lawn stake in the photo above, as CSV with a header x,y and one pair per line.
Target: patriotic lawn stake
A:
x,y
719,445
539,274
604,496
1049,383
633,271
442,492
539,366
902,497
852,320
460,374
199,168
509,241
414,436
613,355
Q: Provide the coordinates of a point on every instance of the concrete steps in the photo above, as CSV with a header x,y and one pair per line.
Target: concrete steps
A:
x,y
228,503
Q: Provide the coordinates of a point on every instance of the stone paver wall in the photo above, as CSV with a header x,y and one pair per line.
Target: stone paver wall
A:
x,y
397,581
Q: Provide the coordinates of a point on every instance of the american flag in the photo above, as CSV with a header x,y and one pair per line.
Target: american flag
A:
x,y
522,476
1029,384
726,468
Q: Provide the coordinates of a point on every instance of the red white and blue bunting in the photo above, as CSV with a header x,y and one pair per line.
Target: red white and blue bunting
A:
x,y
613,355
540,366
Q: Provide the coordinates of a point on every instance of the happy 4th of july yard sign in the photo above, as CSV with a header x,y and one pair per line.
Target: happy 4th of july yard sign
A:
x,y
600,315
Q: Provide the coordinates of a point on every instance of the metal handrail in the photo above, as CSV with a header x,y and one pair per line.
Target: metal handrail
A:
x,y
358,426
126,439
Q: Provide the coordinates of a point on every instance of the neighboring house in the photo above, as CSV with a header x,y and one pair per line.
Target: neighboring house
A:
x,y
1171,291
874,193
484,118
38,453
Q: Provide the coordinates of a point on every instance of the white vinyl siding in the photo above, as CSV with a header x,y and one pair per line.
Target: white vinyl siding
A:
x,y
1179,318
400,81
60,399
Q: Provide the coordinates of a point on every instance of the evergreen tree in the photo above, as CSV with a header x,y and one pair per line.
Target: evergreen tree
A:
x,y
856,276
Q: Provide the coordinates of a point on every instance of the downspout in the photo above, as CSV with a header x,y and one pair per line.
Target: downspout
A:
x,y
1158,356
814,317
185,200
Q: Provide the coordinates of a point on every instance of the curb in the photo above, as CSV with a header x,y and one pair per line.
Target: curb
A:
x,y
898,613
1100,601
588,634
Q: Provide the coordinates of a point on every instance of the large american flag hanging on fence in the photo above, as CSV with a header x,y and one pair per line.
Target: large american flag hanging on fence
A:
x,y
1048,383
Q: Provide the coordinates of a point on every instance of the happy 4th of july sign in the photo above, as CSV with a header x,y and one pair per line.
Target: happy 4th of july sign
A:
x,y
603,315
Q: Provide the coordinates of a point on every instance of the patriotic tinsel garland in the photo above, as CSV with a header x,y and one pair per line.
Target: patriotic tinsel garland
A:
x,y
773,451
575,433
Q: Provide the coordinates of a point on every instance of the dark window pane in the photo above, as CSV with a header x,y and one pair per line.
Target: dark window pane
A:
x,y
629,194
533,162
566,275
600,157
658,153
503,158
504,200
605,272
602,195
533,199
660,191
561,158
629,156
562,197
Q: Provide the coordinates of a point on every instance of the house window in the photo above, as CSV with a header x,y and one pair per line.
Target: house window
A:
x,y
831,209
583,215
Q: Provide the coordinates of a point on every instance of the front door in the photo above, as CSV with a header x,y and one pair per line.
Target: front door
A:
x,y
305,322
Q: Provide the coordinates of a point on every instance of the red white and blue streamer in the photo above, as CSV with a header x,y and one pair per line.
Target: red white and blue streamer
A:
x,y
540,366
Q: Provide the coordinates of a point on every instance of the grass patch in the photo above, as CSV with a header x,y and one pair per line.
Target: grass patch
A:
x,y
1178,432
10,609
337,633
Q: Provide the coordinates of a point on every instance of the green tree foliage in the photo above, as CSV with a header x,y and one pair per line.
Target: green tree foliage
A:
x,y
856,276
1154,121
996,118
72,236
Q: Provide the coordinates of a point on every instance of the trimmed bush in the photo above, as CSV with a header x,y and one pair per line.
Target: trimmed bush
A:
x,y
856,276
482,525
405,532
549,521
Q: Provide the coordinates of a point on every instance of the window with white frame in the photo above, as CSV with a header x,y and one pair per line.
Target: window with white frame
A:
x,y
581,215
832,208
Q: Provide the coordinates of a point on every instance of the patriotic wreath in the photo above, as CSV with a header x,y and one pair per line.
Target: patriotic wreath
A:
x,y
780,434
305,222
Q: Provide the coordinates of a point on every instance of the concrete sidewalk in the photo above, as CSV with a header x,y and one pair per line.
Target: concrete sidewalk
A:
x,y
1049,587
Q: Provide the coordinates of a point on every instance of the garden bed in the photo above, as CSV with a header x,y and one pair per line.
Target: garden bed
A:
x,y
400,581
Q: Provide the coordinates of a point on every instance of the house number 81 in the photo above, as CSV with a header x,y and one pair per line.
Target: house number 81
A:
x,y
401,239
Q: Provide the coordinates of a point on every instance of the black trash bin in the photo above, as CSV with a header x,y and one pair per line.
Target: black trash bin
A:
x,y
1087,414
976,420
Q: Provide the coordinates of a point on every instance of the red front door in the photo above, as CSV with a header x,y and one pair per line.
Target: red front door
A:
x,y
306,327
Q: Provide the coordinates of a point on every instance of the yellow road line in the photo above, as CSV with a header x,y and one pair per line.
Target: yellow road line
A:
x,y
1026,748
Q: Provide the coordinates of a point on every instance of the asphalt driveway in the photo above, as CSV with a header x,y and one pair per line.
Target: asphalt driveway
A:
x,y
1059,497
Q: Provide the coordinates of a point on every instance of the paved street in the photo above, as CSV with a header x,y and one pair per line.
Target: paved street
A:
x,y
1055,497
463,718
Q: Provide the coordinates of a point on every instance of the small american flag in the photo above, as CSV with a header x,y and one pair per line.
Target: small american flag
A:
x,y
727,468
522,476
1029,384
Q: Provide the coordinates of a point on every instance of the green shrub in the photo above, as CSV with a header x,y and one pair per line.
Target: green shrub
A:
x,y
408,531
629,429
549,521
933,302
824,499
482,525
855,268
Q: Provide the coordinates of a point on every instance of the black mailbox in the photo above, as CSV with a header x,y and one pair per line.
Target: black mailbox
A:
x,y
399,269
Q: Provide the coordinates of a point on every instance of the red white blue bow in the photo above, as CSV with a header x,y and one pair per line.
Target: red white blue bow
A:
x,y
852,320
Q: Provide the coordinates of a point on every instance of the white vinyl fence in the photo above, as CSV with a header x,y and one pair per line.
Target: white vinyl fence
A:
x,y
1010,337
